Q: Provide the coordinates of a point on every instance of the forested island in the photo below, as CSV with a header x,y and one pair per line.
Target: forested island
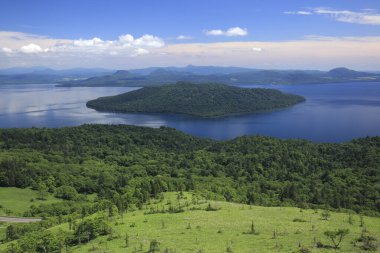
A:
x,y
203,100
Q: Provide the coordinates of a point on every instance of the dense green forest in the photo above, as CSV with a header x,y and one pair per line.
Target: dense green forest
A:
x,y
99,171
128,164
204,100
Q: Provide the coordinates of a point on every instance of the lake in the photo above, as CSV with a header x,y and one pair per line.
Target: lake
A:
x,y
331,113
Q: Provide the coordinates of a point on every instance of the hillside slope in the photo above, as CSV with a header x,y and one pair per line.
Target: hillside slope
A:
x,y
225,227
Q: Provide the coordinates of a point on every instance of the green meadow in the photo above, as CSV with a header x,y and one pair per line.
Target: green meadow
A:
x,y
226,228
15,201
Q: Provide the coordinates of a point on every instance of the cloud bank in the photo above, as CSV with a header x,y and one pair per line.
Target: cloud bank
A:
x,y
311,52
125,45
366,17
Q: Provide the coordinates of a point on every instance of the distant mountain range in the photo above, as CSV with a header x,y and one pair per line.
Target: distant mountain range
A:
x,y
47,75
198,70
196,74
161,76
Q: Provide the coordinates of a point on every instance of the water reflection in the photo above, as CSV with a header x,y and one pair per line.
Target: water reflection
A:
x,y
332,112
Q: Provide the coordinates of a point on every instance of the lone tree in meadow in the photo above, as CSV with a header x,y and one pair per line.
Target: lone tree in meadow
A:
x,y
252,230
154,246
336,236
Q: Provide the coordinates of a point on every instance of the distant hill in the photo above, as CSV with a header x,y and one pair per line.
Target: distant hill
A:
x,y
37,75
197,70
160,76
204,100
50,71
97,77
345,73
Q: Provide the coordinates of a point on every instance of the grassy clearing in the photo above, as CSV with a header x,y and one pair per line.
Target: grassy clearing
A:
x,y
16,201
215,231
277,229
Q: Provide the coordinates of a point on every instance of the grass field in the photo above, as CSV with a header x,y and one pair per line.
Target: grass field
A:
x,y
15,201
3,226
198,230
215,231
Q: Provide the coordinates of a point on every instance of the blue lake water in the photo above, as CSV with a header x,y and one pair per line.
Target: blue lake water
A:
x,y
331,113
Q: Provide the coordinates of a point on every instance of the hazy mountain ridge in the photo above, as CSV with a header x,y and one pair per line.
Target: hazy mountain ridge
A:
x,y
196,74
161,76
34,75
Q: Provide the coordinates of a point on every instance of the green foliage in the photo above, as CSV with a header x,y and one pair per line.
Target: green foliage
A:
x,y
153,246
66,192
89,229
16,201
252,230
336,236
366,241
42,191
128,165
325,215
126,240
17,230
211,208
303,249
231,220
298,220
204,100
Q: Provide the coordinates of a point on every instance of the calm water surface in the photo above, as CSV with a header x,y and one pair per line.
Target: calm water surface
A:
x,y
331,113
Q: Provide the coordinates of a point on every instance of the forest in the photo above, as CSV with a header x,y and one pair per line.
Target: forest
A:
x,y
202,100
100,171
135,163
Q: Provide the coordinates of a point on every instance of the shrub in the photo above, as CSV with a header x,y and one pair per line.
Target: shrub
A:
x,y
325,215
298,220
336,236
154,246
367,242
66,192
211,208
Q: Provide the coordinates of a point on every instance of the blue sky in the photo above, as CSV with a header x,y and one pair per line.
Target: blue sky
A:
x,y
206,22
72,19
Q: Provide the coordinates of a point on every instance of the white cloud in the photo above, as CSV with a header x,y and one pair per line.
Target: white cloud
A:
x,y
6,50
257,49
298,12
126,38
88,43
31,49
233,31
365,17
327,52
236,31
140,51
125,45
149,41
214,32
183,37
